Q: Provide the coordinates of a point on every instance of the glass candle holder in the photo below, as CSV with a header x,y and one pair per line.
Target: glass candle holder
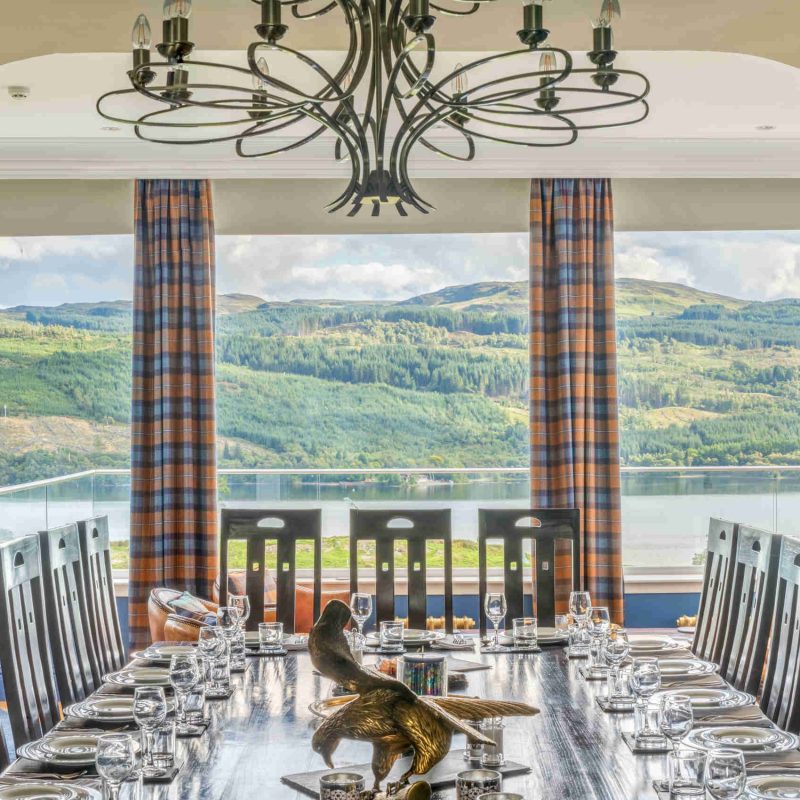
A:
x,y
472,783
391,636
341,786
492,755
425,674
473,750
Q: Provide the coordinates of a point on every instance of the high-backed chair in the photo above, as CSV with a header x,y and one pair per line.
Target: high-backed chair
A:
x,y
110,653
544,528
752,601
24,649
77,672
257,527
780,698
387,527
715,600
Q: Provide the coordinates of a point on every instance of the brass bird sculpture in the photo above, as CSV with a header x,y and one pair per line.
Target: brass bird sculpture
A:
x,y
386,712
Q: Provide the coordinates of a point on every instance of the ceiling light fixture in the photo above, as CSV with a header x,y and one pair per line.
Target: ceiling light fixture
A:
x,y
383,99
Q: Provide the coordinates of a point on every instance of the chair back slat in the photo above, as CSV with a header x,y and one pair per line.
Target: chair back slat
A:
x,y
547,529
751,606
286,527
387,527
780,699
712,615
106,633
33,706
77,673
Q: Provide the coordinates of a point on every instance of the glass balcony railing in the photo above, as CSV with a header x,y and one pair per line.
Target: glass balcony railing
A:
x,y
665,511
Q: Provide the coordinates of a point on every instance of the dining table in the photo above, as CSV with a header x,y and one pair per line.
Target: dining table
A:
x,y
574,750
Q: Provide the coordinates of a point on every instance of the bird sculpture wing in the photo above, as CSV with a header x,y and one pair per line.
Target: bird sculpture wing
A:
x,y
476,708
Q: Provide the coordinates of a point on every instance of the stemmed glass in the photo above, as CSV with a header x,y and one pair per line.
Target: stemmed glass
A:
x,y
726,775
579,605
241,602
115,760
598,623
361,609
184,673
495,607
617,648
149,712
676,718
645,682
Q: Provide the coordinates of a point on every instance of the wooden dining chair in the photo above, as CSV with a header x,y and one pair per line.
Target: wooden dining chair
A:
x,y
712,615
545,528
101,600
780,698
75,657
388,527
33,706
755,574
258,527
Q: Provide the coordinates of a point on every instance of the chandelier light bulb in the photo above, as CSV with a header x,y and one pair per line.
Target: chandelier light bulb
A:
x,y
548,62
183,8
259,84
459,86
141,35
609,11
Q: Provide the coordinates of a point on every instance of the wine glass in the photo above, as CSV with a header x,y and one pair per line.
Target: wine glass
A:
x,y
725,774
184,673
598,622
579,605
149,712
228,620
645,682
115,760
495,607
676,717
361,609
241,602
617,648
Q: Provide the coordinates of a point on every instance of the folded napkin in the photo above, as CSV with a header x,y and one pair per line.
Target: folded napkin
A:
x,y
705,682
752,715
772,763
295,643
449,644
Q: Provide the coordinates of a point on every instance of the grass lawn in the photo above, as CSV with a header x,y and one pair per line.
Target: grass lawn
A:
x,y
336,554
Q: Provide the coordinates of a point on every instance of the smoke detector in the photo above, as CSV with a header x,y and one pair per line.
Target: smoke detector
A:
x,y
19,92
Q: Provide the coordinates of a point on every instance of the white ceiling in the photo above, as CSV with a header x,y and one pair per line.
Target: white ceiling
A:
x,y
707,110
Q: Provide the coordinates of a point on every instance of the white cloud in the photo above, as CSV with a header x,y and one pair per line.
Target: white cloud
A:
x,y
649,263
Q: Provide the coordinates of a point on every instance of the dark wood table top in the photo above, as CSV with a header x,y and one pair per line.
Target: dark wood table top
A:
x,y
263,732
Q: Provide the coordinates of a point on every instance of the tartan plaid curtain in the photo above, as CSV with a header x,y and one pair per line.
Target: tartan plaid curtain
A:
x,y
573,389
173,446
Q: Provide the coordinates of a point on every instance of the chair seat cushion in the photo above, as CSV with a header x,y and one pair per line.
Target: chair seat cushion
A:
x,y
188,606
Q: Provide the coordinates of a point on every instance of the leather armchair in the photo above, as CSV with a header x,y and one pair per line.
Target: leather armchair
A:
x,y
160,608
181,629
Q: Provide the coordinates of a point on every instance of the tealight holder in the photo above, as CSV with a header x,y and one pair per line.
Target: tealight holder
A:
x,y
473,783
341,786
424,673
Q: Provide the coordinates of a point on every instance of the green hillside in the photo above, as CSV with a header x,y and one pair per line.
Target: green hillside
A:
x,y
437,379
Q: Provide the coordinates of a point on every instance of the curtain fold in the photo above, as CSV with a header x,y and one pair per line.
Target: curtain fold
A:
x,y
173,436
573,389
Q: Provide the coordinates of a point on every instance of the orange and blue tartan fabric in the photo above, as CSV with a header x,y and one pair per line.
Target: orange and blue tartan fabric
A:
x,y
173,436
573,376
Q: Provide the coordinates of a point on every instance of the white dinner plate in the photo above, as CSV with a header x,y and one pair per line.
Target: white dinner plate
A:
x,y
62,750
773,787
685,667
549,634
742,737
39,790
139,676
118,708
706,698
163,651
688,629
410,636
653,643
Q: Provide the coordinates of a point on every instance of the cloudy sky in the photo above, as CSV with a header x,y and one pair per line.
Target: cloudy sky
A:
x,y
53,270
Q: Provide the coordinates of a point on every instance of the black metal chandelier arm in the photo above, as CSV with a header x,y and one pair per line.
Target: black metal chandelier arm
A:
x,y
453,13
569,125
314,14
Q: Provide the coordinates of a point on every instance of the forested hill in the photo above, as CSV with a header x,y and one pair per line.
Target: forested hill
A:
x,y
439,378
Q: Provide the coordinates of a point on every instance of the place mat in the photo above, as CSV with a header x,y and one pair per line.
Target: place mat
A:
x,y
704,681
571,654
661,788
195,730
588,674
788,761
752,715
464,665
167,777
630,740
260,654
221,696
442,776
614,709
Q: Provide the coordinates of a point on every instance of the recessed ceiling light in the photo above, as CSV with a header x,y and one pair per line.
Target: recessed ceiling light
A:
x,y
765,127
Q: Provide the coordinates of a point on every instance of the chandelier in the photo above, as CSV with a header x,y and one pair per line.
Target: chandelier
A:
x,y
383,99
